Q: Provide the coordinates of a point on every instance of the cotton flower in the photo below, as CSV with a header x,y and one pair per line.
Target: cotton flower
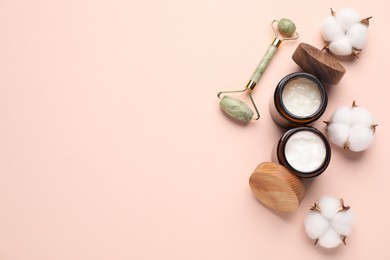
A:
x,y
341,46
345,32
331,29
357,35
347,17
352,128
329,222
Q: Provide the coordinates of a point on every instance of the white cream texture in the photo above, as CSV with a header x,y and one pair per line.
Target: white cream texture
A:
x,y
305,151
301,97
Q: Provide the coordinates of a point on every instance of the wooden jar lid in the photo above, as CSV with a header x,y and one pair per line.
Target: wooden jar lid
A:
x,y
276,187
319,63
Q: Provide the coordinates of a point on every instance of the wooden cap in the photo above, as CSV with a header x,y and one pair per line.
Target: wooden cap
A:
x,y
319,63
276,187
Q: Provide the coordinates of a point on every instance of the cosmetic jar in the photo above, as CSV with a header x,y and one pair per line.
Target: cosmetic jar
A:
x,y
304,151
299,100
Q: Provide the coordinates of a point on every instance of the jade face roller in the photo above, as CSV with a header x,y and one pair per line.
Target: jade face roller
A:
x,y
237,108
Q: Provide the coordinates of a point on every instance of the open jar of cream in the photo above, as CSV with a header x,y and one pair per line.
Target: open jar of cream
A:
x,y
301,152
304,151
299,99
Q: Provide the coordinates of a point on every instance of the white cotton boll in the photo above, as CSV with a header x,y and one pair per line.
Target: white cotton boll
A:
x,y
341,46
329,222
338,133
352,128
342,115
329,206
330,239
315,224
360,138
347,17
342,222
357,35
345,32
360,115
331,30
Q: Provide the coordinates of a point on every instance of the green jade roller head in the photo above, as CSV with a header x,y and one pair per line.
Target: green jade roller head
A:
x,y
238,109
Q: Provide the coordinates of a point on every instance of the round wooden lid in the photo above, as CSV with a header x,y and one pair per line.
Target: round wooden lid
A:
x,y
319,63
276,187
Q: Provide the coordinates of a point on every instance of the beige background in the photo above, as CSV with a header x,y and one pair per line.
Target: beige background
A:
x,y
112,144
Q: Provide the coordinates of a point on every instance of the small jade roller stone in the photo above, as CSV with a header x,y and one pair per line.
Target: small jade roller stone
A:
x,y
239,109
236,108
286,27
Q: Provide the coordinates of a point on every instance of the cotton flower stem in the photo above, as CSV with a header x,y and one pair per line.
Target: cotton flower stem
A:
x,y
344,240
316,241
354,104
373,127
343,207
315,207
327,123
333,13
356,52
366,21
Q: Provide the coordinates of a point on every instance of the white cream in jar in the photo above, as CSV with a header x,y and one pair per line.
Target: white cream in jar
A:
x,y
301,97
304,151
299,100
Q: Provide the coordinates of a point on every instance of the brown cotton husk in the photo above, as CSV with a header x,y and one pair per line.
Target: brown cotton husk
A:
x,y
373,127
356,52
316,207
343,207
366,21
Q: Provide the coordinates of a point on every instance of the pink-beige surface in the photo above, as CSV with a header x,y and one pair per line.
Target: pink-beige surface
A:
x,y
113,146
